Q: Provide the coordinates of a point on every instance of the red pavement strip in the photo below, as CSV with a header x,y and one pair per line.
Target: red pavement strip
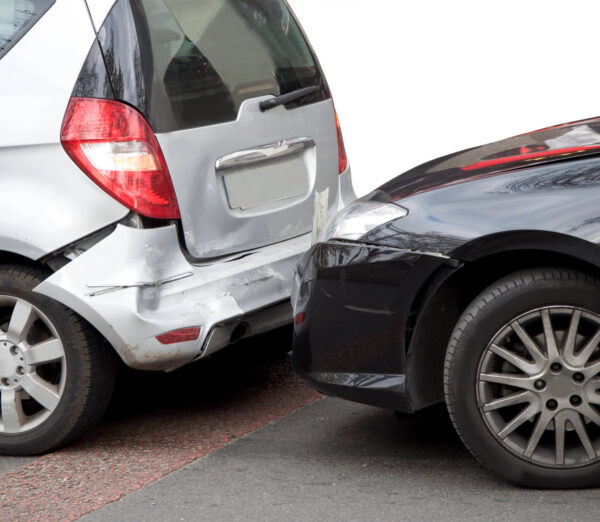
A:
x,y
119,459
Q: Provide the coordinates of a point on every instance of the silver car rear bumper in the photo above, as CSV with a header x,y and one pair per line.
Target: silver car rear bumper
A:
x,y
136,284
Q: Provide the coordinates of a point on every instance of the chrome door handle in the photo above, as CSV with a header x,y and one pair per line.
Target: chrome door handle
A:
x,y
263,153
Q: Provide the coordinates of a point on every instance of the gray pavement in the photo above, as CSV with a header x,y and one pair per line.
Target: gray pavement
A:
x,y
10,463
335,460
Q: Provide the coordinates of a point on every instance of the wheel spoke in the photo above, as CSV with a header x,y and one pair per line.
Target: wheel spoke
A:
x,y
575,420
520,363
21,320
593,397
528,413
592,370
590,413
43,392
542,423
525,383
586,352
593,391
569,345
12,411
44,352
560,428
551,347
531,346
509,400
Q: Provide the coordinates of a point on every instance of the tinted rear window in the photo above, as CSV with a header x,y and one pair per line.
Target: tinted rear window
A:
x,y
194,62
16,18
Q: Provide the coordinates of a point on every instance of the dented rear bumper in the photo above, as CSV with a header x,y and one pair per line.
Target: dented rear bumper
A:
x,y
136,284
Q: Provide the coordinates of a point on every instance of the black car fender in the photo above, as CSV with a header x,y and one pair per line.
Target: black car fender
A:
x,y
548,215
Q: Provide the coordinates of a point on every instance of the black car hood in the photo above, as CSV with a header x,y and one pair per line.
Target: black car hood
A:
x,y
552,144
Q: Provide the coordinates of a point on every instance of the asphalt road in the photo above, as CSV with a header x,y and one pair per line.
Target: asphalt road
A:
x,y
338,461
239,438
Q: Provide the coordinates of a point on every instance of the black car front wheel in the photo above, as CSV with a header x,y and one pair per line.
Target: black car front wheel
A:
x,y
522,378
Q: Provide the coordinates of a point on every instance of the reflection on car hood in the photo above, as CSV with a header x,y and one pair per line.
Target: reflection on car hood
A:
x,y
551,144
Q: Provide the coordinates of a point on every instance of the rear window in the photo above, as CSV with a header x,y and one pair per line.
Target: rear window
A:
x,y
209,56
16,18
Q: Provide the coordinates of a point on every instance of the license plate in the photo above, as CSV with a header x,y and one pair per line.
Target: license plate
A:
x,y
259,186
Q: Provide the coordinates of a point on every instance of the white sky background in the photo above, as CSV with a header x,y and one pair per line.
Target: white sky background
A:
x,y
415,80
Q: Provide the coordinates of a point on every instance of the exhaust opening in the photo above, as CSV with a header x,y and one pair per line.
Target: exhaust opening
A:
x,y
238,332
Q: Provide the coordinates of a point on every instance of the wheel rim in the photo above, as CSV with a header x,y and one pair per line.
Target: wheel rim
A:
x,y
32,366
538,386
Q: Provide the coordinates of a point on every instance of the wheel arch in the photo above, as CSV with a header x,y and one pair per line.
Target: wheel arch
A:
x,y
49,267
17,258
449,291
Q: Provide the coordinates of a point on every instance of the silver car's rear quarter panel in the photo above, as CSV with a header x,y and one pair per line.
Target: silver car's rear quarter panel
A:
x,y
47,201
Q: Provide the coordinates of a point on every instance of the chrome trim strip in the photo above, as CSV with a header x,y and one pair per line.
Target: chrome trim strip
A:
x,y
264,153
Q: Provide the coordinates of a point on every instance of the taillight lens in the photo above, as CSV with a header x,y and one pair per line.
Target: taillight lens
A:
x,y
114,145
342,157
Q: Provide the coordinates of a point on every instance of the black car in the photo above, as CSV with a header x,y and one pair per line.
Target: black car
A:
x,y
472,280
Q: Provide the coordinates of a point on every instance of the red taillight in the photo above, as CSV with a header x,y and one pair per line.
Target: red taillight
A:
x,y
114,145
342,157
180,336
300,318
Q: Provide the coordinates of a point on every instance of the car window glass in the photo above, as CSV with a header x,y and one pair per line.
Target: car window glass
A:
x,y
16,18
210,56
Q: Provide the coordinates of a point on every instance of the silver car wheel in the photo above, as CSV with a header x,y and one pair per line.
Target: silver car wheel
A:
x,y
538,387
32,366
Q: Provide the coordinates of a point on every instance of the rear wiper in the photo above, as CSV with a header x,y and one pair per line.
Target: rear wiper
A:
x,y
290,97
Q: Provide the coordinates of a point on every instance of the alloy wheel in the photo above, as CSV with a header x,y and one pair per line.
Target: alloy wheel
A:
x,y
538,386
32,366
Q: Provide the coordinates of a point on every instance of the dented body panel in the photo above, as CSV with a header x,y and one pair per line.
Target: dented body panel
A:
x,y
137,284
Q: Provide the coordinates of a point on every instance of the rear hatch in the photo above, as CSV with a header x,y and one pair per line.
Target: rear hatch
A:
x,y
198,71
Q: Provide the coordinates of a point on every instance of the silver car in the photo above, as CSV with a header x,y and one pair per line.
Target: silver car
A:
x,y
161,166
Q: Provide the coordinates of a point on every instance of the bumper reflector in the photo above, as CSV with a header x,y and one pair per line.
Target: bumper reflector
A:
x,y
299,319
180,336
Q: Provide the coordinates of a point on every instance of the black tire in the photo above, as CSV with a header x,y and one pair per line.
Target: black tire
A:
x,y
90,369
484,318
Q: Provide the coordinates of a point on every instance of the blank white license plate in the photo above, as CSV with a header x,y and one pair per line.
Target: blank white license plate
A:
x,y
261,185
